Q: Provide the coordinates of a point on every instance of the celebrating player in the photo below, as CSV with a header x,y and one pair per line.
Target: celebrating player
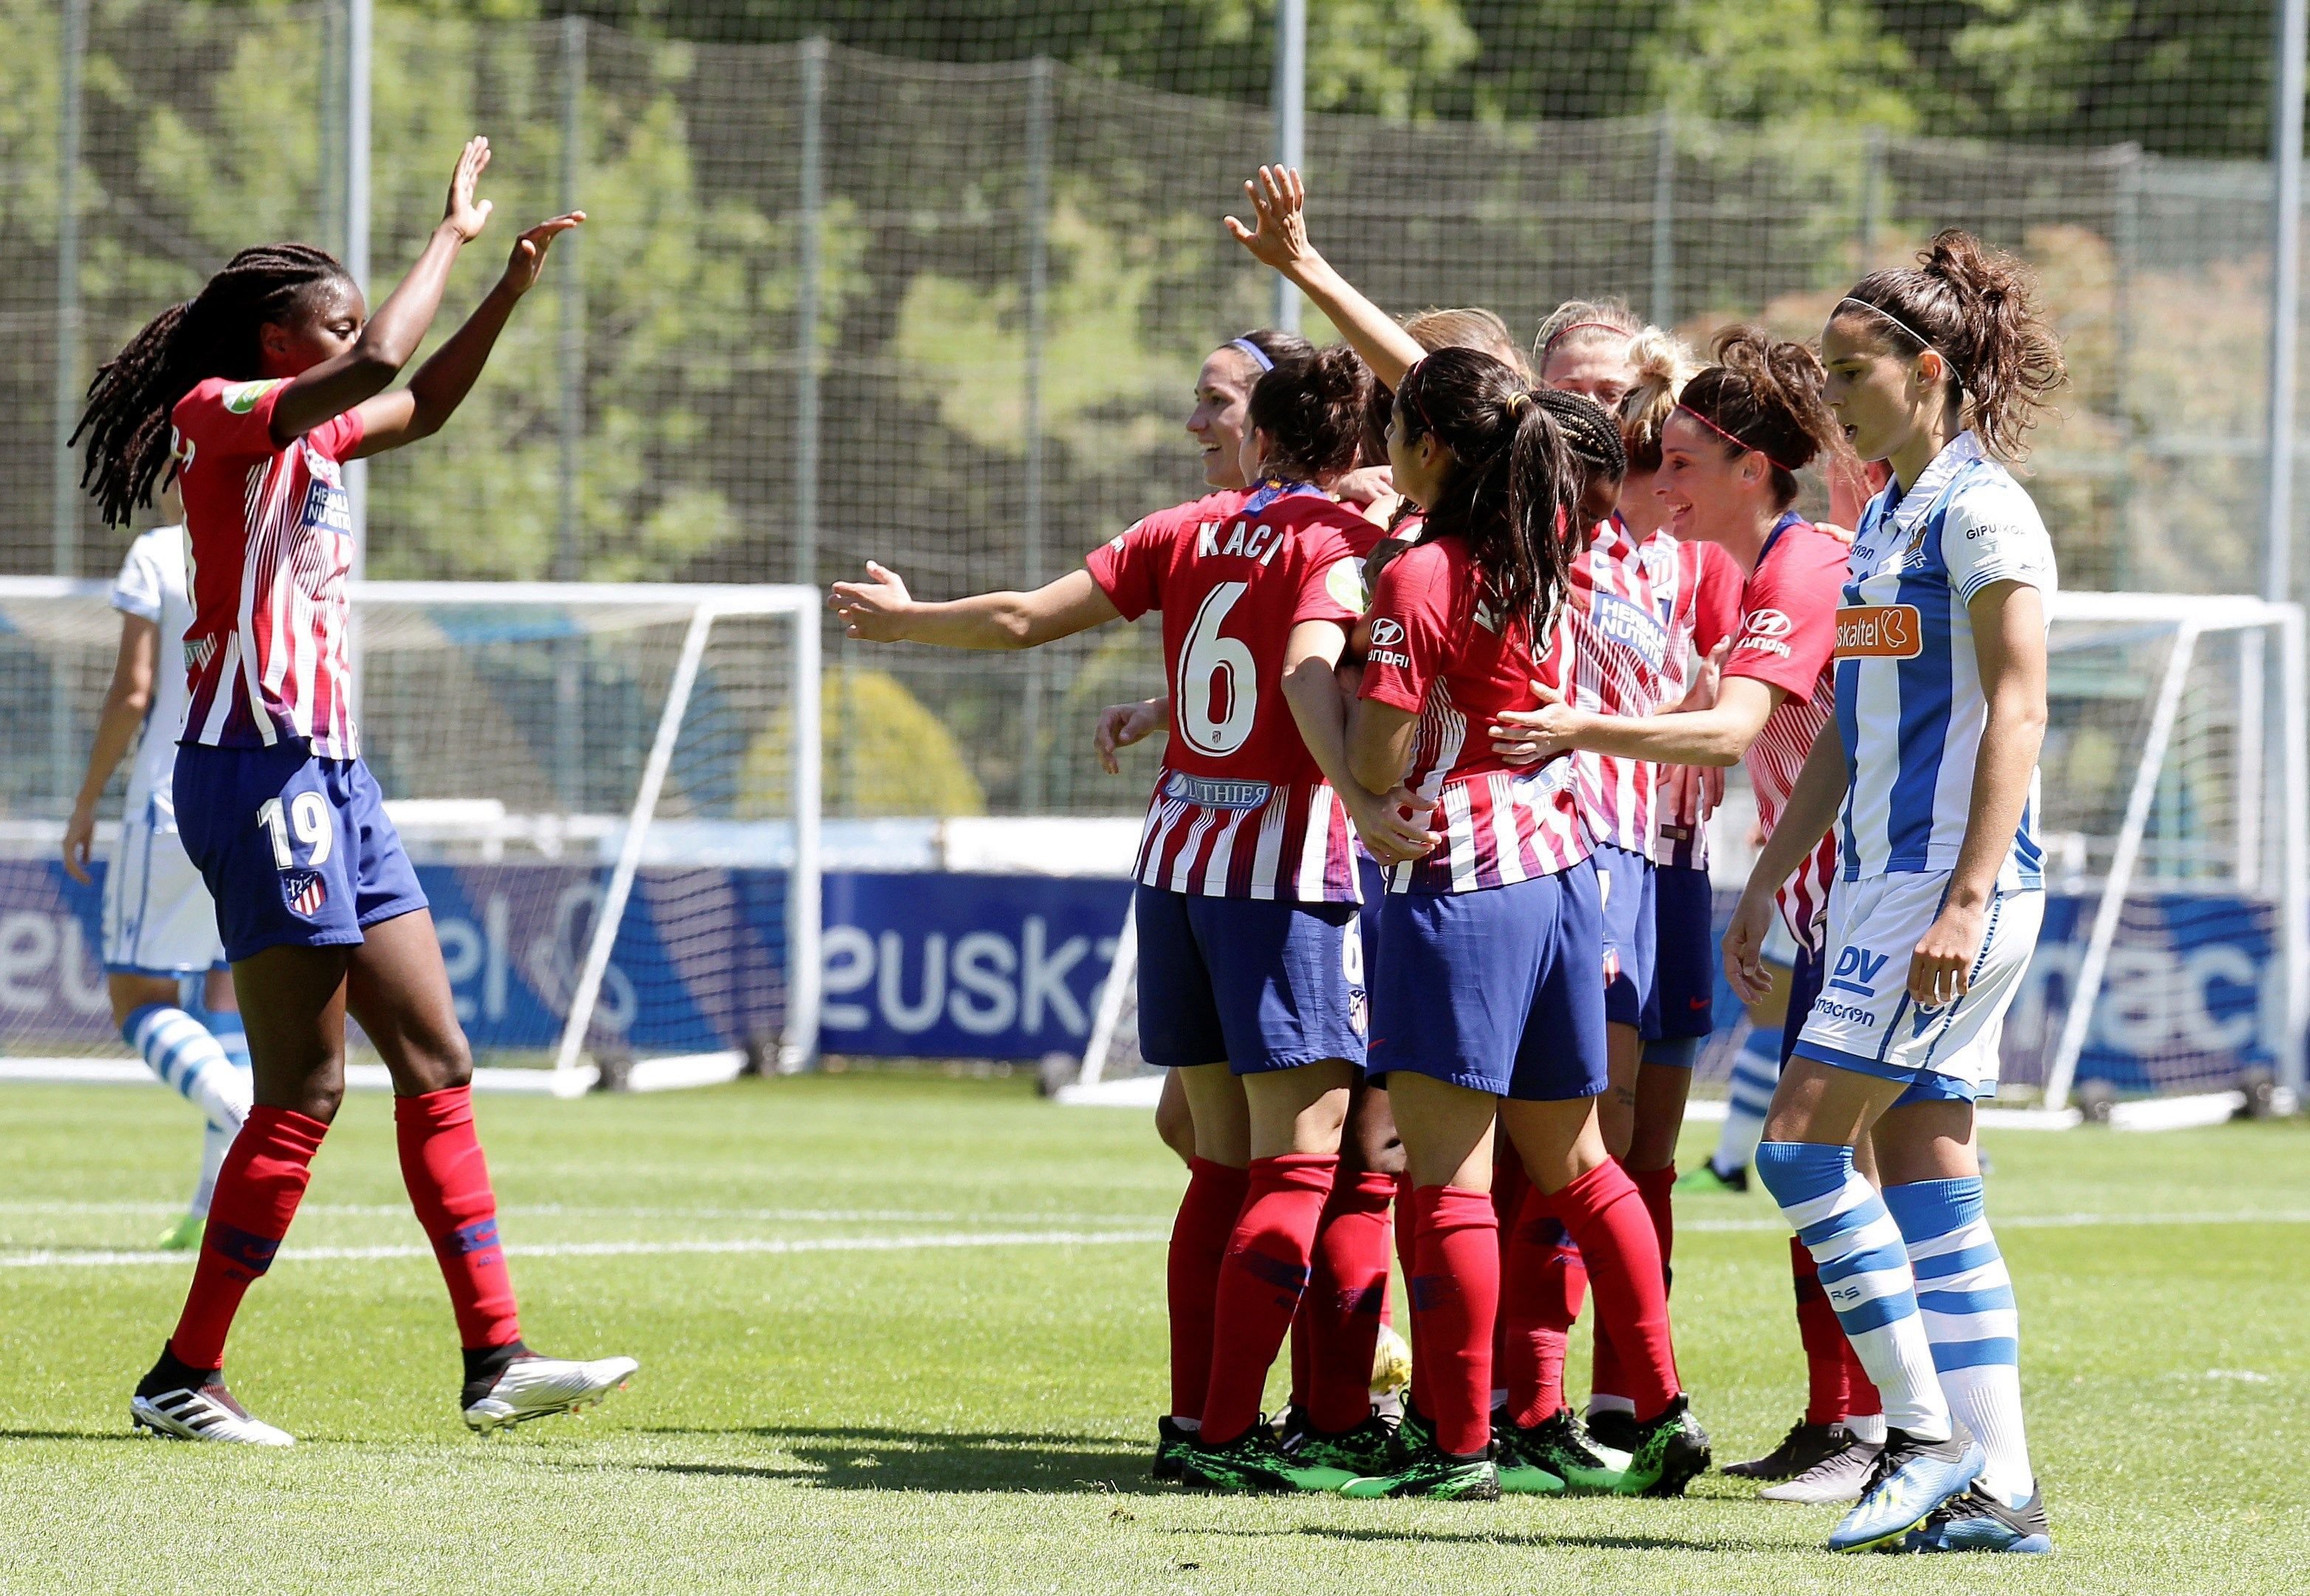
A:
x,y
1930,778
171,996
271,378
1249,962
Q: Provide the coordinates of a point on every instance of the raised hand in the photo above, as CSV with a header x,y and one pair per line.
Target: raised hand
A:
x,y
874,609
463,214
1279,205
528,257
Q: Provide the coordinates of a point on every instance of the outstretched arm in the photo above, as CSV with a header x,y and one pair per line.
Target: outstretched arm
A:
x,y
126,703
1279,205
880,610
1718,735
418,411
322,393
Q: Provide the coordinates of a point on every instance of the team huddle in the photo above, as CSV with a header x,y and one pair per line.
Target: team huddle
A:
x,y
1456,650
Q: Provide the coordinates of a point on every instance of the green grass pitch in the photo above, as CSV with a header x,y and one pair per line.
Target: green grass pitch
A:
x,y
872,1359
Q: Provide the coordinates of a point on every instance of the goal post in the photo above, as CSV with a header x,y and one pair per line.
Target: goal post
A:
x,y
612,792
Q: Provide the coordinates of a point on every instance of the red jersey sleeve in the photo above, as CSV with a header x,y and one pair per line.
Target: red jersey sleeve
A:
x,y
1333,588
1129,565
228,419
1788,621
1717,598
1410,628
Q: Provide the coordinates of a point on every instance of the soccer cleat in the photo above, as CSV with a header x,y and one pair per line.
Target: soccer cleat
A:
x,y
206,1412
1433,1473
1836,1478
1368,1449
1707,1181
1249,1465
1172,1440
534,1387
1288,1425
1804,1445
1977,1521
1909,1479
1413,1433
1669,1452
185,1235
1615,1428
1558,1445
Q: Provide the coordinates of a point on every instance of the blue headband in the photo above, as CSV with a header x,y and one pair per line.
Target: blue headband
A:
x,y
1257,355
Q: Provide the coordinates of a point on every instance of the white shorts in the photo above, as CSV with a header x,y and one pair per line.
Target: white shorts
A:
x,y
1864,1019
158,916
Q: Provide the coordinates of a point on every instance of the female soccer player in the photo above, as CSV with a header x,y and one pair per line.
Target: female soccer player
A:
x,y
171,996
1730,451
1249,962
1930,778
272,378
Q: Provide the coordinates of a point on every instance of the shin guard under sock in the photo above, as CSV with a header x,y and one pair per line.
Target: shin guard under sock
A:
x,y
1261,1280
1605,1214
448,1184
1455,1287
1346,1289
1199,1240
257,1191
1541,1292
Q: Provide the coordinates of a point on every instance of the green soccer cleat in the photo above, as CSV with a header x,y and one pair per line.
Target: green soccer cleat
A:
x,y
1669,1452
1434,1474
1172,1440
1706,1181
1557,1446
1370,1448
1414,1434
1249,1466
185,1235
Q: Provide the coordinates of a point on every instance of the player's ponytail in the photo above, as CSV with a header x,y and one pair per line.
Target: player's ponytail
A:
x,y
1313,412
1513,490
1663,363
1767,395
214,333
1975,308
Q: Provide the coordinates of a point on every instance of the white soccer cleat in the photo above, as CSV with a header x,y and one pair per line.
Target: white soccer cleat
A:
x,y
534,1387
209,1413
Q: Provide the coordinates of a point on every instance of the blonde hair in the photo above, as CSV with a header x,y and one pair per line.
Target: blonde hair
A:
x,y
1468,327
1665,363
1577,322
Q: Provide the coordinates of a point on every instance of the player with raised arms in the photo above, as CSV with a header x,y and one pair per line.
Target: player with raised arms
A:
x,y
1730,451
1250,964
163,965
1929,779
253,393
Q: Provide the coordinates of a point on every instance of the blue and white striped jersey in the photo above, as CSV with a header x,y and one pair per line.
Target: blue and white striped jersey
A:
x,y
1910,704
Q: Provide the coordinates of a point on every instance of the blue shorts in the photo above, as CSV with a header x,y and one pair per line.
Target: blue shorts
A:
x,y
1805,982
1681,1002
1373,879
296,850
1625,881
1495,990
1253,984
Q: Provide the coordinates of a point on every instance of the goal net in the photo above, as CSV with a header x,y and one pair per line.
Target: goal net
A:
x,y
2178,862
610,793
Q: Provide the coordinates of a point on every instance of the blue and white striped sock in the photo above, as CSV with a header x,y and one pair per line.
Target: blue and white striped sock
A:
x,y
1864,1267
214,1144
1964,1295
187,1058
1756,1072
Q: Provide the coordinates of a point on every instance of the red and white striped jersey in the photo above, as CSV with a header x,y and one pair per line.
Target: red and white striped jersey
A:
x,y
1613,644
1697,592
269,532
1241,809
1787,638
1438,653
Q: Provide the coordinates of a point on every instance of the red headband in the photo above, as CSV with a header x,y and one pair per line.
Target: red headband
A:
x,y
1561,333
1738,443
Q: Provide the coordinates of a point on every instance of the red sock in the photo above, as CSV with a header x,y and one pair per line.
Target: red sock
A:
x,y
1199,1239
1539,1297
1509,1184
1346,1292
1606,1216
1455,1296
1303,1334
1261,1282
1826,1350
1654,1185
257,1190
448,1182
1407,1236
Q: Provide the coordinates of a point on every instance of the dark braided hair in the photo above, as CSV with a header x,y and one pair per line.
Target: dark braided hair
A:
x,y
1590,432
1516,483
214,333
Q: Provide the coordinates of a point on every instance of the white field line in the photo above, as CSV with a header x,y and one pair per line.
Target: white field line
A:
x,y
631,1249
2288,1216
809,1216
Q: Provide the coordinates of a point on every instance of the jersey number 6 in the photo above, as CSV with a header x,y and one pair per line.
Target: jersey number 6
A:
x,y
1211,665
309,814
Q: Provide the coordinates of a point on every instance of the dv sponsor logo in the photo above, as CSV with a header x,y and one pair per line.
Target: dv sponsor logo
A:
x,y
1879,631
1856,971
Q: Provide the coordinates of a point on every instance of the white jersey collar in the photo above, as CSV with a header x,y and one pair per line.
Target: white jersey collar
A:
x,y
1917,503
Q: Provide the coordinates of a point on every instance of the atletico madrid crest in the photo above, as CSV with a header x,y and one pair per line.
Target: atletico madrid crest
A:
x,y
304,891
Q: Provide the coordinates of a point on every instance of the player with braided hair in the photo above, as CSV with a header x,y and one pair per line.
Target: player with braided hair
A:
x,y
253,395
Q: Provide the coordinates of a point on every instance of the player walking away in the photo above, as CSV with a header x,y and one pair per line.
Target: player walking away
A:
x,y
1249,962
272,378
164,967
1930,778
